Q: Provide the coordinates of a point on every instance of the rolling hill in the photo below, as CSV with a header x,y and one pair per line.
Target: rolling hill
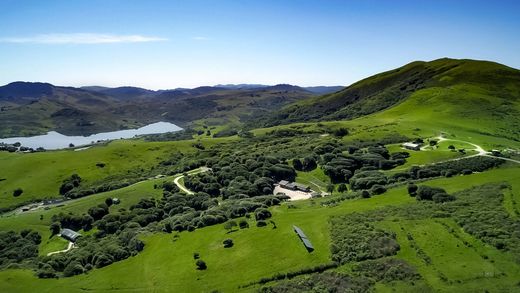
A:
x,y
35,108
465,91
384,239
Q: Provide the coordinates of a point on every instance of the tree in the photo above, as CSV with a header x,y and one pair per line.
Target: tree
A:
x,y
196,255
201,265
73,268
433,142
451,147
342,187
340,132
297,164
365,194
228,243
309,164
261,223
378,189
109,201
55,228
71,145
17,192
243,224
330,188
412,189
230,225
427,193
262,214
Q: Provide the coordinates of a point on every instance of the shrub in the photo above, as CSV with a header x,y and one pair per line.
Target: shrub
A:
x,y
230,225
412,189
442,197
201,265
17,192
377,189
228,243
243,224
261,224
342,187
262,214
426,192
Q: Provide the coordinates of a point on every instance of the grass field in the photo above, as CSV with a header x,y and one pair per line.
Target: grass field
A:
x,y
263,251
41,174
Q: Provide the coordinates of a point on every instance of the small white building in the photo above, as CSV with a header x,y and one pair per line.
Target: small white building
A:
x,y
411,146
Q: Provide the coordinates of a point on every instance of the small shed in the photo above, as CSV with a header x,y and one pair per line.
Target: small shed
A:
x,y
411,146
70,235
306,242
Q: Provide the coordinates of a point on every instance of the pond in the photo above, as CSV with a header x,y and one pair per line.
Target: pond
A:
x,y
54,140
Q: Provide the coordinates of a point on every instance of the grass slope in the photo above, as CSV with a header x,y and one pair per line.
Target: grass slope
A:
x,y
167,264
41,174
447,85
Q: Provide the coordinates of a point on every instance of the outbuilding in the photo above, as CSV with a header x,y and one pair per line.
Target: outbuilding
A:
x,y
294,186
70,235
411,146
306,242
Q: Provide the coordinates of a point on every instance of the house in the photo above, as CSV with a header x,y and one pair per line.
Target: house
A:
x,y
70,235
306,242
294,186
411,146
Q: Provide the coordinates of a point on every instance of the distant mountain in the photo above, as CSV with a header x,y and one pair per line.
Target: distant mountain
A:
x,y
124,92
35,108
242,86
323,90
25,90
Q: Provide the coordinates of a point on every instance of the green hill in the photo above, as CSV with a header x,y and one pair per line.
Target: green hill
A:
x,y
468,88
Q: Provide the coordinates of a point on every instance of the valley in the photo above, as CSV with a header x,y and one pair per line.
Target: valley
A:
x,y
442,217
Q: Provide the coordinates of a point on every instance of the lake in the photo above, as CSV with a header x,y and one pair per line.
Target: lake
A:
x,y
54,140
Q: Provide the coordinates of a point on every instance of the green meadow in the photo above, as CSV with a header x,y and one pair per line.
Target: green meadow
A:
x,y
167,262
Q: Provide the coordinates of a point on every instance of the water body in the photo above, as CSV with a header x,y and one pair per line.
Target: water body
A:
x,y
54,140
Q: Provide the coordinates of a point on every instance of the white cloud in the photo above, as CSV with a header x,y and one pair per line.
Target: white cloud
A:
x,y
82,38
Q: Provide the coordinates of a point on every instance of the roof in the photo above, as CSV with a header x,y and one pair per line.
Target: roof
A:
x,y
306,242
411,144
299,232
284,182
69,234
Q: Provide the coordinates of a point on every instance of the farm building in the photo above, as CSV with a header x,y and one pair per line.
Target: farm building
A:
x,y
306,242
294,186
411,146
70,235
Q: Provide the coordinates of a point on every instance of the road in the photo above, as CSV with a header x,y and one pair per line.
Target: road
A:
x,y
193,172
479,149
39,205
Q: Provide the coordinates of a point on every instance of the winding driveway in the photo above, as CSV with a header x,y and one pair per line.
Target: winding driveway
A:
x,y
69,247
479,149
193,172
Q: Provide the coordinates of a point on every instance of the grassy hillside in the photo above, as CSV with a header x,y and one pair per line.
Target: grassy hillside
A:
x,y
468,243
40,175
263,251
450,85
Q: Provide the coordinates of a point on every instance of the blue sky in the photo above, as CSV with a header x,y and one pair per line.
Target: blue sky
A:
x,y
169,44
